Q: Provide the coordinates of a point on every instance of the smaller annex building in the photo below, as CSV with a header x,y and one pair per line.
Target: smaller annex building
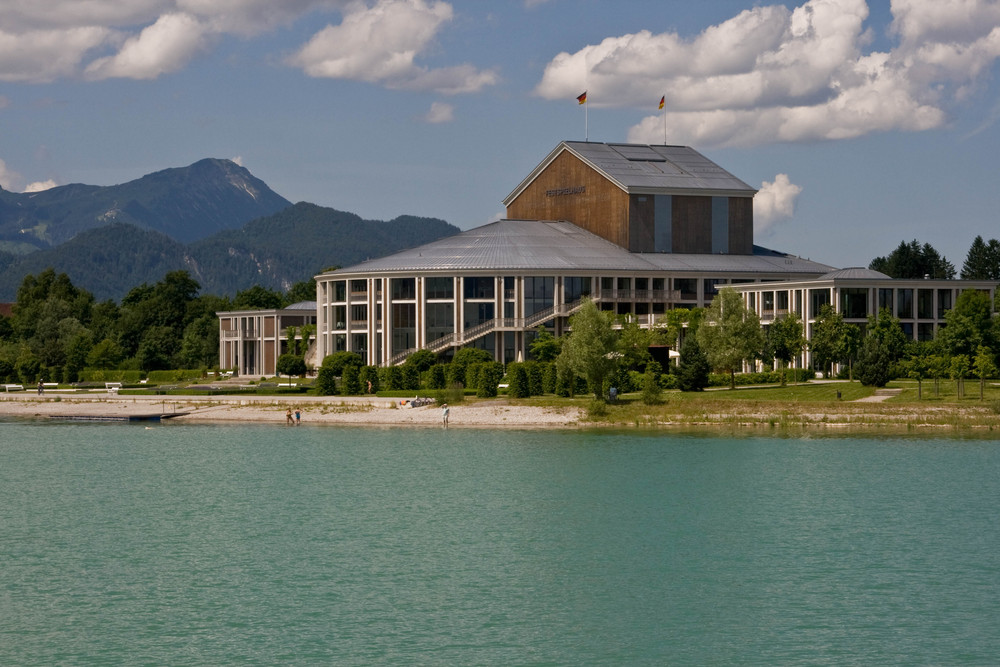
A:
x,y
857,293
250,341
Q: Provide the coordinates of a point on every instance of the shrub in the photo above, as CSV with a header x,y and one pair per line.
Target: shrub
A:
x,y
652,393
518,385
490,374
369,374
326,382
351,383
436,377
535,382
549,376
338,360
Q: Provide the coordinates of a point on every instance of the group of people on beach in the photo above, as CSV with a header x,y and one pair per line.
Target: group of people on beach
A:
x,y
288,417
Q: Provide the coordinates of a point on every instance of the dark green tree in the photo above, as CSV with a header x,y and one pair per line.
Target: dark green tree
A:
x,y
490,375
692,366
260,298
304,290
874,362
338,360
518,385
291,364
545,346
352,381
785,341
983,260
368,376
970,325
422,360
914,261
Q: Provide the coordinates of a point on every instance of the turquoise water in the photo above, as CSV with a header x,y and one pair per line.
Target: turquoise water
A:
x,y
209,545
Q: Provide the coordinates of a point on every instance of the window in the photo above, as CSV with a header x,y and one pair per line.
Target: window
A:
x,y
440,320
340,290
404,332
711,288
817,299
479,287
944,302
538,294
359,286
439,288
904,305
688,287
359,313
404,288
477,313
885,299
925,304
624,284
854,302
359,344
575,288
340,317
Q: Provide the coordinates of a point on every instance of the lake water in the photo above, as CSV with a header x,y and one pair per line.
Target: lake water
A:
x,y
215,544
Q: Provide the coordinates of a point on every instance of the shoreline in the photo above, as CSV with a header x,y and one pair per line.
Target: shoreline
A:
x,y
359,411
855,416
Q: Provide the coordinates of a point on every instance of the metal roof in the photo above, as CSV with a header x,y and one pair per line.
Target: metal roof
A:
x,y
647,169
523,245
301,305
855,273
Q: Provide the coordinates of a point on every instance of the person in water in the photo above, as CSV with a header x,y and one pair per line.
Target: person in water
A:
x,y
444,415
288,417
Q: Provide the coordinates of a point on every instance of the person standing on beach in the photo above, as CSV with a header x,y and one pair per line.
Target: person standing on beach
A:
x,y
288,417
444,415
298,416
41,387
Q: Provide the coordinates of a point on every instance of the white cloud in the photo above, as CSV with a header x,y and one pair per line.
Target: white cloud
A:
x,y
45,55
238,160
8,177
440,113
380,44
40,186
770,74
774,202
163,47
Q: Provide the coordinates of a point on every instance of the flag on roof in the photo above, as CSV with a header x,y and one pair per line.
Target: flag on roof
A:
x,y
582,99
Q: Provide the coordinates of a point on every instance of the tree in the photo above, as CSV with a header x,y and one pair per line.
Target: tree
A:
x,y
157,349
887,330
785,341
460,363
692,366
338,360
984,367
827,341
590,349
291,364
517,381
970,325
352,383
545,346
105,354
304,290
259,298
633,344
730,334
652,393
983,260
958,370
422,359
913,261
490,375
873,363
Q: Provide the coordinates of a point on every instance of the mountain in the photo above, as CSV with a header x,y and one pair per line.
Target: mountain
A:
x,y
184,203
275,251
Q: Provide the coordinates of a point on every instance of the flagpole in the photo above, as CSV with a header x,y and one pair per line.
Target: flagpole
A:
x,y
586,122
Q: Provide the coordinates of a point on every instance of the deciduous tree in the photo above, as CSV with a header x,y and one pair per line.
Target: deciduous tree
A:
x,y
730,334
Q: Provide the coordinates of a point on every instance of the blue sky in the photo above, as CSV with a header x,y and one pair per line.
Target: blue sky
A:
x,y
862,123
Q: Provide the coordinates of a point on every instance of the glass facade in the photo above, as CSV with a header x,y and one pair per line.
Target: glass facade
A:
x,y
439,288
854,302
904,304
539,293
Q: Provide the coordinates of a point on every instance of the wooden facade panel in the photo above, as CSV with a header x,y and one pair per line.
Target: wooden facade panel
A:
x,y
691,222
642,216
740,225
568,189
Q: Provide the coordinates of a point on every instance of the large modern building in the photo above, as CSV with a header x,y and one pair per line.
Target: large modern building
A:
x,y
250,341
639,229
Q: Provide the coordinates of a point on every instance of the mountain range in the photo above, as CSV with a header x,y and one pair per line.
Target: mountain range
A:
x,y
228,229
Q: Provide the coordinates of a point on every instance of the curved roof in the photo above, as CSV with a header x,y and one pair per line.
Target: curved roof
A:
x,y
855,273
533,245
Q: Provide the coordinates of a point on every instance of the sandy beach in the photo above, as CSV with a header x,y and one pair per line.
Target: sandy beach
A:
x,y
272,409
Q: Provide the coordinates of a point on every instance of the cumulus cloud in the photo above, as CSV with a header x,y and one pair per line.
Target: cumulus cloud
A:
x,y
774,202
40,186
163,47
45,55
440,113
380,45
772,74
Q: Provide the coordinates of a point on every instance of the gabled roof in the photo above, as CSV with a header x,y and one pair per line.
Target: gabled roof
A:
x,y
647,169
533,245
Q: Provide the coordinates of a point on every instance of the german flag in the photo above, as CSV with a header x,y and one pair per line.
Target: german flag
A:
x,y
663,101
582,98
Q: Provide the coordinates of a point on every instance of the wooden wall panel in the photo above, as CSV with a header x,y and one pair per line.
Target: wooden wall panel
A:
x,y
740,225
692,224
568,189
642,214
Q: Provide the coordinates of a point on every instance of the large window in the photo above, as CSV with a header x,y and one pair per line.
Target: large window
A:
x,y
575,288
925,304
538,294
340,290
817,299
854,302
904,305
477,313
479,287
404,329
359,313
944,302
404,288
440,320
885,299
439,288
688,287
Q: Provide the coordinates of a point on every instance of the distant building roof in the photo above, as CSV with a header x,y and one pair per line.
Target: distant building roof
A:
x,y
647,169
855,273
302,305
521,245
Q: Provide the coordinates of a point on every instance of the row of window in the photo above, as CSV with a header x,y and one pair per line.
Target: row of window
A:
x,y
854,302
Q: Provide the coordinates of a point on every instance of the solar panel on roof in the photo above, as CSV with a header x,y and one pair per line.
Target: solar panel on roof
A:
x,y
638,153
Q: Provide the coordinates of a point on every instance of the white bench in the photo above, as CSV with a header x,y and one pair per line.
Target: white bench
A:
x,y
13,387
113,387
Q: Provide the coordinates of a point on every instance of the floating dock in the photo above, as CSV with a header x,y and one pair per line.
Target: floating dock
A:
x,y
155,417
